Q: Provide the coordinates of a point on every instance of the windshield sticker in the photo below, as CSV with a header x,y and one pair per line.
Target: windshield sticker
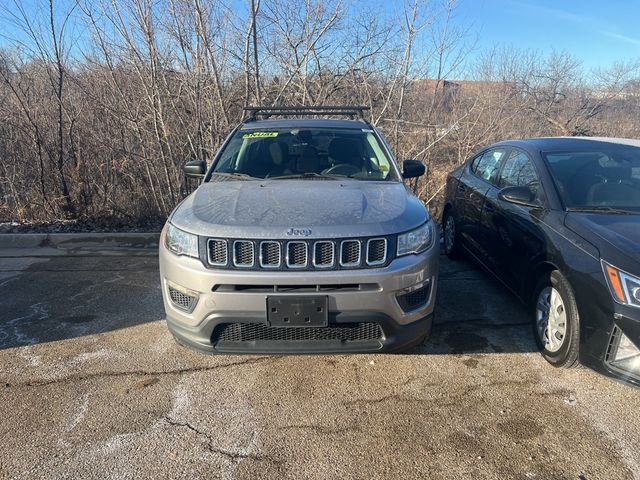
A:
x,y
260,135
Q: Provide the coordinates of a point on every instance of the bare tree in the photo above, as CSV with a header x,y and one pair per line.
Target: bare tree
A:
x,y
102,101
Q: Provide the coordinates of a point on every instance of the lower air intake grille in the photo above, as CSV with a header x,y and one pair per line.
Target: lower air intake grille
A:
x,y
249,332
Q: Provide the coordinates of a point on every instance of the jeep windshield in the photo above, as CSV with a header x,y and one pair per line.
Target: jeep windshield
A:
x,y
314,153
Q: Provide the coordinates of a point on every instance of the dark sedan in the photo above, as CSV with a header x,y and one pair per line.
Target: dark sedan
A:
x,y
557,220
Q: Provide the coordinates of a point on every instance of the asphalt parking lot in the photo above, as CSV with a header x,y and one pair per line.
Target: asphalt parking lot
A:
x,y
93,386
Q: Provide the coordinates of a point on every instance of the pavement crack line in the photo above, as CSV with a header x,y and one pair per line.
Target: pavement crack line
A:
x,y
139,373
229,454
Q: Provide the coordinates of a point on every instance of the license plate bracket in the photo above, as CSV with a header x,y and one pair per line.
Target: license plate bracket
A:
x,y
297,311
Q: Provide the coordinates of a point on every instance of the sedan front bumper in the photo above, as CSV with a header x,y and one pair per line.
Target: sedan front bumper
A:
x,y
604,324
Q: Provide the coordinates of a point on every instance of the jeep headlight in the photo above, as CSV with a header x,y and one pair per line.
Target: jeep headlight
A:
x,y
625,288
181,242
415,241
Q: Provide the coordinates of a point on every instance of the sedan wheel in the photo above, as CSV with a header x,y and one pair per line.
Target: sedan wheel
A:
x,y
556,321
450,235
551,319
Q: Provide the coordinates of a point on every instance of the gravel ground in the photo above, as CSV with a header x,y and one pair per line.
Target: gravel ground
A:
x,y
93,386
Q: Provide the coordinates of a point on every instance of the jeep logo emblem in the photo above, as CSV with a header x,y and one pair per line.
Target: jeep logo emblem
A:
x,y
299,232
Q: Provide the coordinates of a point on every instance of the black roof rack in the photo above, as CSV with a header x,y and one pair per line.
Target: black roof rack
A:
x,y
352,111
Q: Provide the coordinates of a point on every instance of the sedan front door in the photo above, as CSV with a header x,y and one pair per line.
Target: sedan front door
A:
x,y
513,234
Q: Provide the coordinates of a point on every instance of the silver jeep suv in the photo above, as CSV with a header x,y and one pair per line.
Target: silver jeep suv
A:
x,y
302,237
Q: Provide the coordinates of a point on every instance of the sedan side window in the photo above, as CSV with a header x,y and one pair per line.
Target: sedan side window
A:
x,y
487,165
519,171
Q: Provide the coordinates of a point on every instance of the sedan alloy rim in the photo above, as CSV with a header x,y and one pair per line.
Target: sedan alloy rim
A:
x,y
551,319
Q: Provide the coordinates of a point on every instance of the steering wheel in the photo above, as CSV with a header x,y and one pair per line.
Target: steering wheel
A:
x,y
342,169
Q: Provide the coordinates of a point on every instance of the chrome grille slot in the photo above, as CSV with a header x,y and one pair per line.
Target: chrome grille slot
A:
x,y
350,253
297,255
323,254
217,252
270,255
243,254
376,251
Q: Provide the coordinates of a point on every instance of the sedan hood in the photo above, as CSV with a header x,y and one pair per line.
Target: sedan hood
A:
x,y
615,236
321,208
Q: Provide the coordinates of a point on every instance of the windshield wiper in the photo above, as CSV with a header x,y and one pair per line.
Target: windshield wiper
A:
x,y
238,175
603,209
307,175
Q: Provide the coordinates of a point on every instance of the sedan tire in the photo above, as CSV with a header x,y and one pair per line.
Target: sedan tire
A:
x,y
450,235
557,324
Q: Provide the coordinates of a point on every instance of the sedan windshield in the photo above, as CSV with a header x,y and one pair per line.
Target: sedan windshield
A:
x,y
606,179
320,153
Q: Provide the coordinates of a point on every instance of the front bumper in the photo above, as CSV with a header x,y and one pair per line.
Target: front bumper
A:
x,y
602,321
369,295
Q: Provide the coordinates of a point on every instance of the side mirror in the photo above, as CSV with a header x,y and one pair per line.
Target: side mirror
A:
x,y
518,195
412,168
195,169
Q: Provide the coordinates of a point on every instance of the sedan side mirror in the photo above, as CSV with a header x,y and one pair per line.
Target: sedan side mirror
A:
x,y
519,196
412,168
195,169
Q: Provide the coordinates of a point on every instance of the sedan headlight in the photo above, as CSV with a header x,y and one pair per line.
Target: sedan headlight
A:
x,y
415,241
625,288
181,242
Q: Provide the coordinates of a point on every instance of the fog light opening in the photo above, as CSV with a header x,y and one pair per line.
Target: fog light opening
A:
x,y
623,355
414,297
181,297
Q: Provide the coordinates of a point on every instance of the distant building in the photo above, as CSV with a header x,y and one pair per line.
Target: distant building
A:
x,y
455,87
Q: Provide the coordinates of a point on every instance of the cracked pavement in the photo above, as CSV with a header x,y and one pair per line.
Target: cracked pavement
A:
x,y
93,386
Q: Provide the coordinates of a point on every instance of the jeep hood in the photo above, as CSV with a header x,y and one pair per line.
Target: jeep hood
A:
x,y
328,208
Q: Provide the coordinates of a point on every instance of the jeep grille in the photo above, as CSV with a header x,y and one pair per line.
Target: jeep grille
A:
x,y
299,254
